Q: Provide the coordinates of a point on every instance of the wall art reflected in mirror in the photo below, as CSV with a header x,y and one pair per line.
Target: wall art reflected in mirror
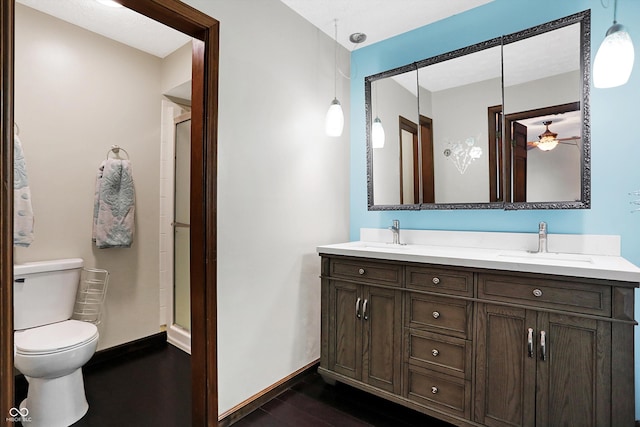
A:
x,y
502,124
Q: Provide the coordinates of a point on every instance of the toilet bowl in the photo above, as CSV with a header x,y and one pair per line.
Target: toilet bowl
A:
x,y
50,348
51,358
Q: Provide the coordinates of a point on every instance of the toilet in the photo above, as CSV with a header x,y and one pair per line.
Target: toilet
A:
x,y
50,348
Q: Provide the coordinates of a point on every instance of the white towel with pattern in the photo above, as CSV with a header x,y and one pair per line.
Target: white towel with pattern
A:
x,y
23,218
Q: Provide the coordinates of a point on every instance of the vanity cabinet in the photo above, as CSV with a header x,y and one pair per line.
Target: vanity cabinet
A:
x,y
478,347
543,368
555,373
364,323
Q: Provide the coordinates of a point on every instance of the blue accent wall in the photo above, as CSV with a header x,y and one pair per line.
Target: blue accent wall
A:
x,y
614,113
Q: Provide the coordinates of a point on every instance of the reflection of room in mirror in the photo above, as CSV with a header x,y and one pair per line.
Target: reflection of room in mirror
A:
x,y
391,103
567,126
554,174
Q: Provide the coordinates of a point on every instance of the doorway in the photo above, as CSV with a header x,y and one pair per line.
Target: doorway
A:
x,y
205,59
417,183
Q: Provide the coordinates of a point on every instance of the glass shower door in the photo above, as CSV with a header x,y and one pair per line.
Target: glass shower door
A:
x,y
181,241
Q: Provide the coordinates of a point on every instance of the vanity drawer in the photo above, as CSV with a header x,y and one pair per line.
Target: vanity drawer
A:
x,y
378,272
547,293
442,315
444,392
440,353
441,280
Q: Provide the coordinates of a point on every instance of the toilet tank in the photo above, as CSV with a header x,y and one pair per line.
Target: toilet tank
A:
x,y
44,292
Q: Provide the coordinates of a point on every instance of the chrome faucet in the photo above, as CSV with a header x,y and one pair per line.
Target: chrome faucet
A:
x,y
542,237
395,229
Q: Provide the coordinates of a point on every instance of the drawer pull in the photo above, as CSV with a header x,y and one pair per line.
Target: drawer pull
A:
x,y
435,314
530,341
435,280
358,308
361,271
364,310
434,389
435,352
537,293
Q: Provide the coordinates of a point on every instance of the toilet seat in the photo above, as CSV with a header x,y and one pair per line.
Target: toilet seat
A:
x,y
54,338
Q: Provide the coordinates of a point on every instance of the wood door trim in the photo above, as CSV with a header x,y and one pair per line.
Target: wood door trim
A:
x,y
205,68
7,13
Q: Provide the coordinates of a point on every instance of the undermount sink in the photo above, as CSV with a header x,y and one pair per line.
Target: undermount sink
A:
x,y
384,246
551,256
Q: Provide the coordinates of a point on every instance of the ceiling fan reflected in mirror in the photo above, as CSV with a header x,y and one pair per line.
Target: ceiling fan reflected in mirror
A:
x,y
549,140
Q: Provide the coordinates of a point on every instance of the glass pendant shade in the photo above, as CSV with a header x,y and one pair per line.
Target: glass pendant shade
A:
x,y
334,122
377,134
614,60
547,140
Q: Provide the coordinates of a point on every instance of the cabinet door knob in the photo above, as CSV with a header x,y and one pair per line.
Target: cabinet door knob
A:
x,y
543,345
435,280
436,314
358,308
537,293
364,310
434,389
435,352
530,341
361,271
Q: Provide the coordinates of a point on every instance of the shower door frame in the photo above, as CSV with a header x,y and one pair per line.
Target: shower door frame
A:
x,y
176,334
204,129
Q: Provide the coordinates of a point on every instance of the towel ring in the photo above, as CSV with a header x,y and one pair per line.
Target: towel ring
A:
x,y
16,128
116,150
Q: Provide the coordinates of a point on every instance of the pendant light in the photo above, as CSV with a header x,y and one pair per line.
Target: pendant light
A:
x,y
614,60
377,134
547,140
377,131
334,122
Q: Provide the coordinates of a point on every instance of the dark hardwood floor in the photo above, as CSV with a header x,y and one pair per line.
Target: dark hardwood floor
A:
x,y
312,403
153,388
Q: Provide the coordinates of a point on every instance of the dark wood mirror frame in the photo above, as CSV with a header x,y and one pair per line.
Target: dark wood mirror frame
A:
x,y
584,18
205,60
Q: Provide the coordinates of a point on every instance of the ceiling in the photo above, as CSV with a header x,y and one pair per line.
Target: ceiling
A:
x,y
378,19
120,24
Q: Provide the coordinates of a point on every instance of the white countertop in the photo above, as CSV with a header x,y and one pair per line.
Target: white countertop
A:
x,y
597,266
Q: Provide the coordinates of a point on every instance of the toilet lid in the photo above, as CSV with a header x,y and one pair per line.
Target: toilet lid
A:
x,y
54,337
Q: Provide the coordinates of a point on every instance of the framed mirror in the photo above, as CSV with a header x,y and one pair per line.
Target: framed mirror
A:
x,y
393,106
446,120
546,116
455,91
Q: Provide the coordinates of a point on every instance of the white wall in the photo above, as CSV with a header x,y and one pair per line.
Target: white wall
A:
x,y
283,190
76,94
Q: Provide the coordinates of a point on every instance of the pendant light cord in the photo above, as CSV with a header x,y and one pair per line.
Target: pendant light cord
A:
x,y
615,9
335,59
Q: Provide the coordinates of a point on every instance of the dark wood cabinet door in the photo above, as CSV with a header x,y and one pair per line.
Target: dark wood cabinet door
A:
x,y
345,329
573,384
382,338
505,369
